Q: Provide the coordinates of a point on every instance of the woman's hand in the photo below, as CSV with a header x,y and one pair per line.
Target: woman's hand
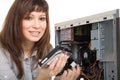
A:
x,y
54,68
70,74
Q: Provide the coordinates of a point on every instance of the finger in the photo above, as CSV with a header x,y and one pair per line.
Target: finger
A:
x,y
74,73
70,74
64,75
57,65
57,78
78,70
53,63
39,65
39,60
62,61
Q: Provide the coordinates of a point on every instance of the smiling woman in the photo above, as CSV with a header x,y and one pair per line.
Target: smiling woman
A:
x,y
24,35
25,39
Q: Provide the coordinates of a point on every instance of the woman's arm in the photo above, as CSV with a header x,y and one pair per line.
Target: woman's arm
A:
x,y
6,73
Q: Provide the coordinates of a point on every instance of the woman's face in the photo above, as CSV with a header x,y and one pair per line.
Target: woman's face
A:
x,y
34,26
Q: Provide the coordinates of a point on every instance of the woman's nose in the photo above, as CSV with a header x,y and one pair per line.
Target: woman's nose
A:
x,y
36,24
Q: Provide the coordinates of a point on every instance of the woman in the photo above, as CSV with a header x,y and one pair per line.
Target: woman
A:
x,y
25,39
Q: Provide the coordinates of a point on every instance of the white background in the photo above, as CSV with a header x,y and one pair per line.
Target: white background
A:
x,y
64,10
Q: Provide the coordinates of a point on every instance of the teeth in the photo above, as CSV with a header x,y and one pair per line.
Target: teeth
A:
x,y
35,33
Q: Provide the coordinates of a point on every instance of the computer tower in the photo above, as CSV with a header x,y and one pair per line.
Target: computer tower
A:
x,y
95,44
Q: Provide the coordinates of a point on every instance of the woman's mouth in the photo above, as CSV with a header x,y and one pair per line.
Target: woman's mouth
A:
x,y
34,33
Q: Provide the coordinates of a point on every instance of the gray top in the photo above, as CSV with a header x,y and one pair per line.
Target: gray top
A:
x,y
8,69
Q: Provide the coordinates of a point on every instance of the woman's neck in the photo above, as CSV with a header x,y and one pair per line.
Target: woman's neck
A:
x,y
27,48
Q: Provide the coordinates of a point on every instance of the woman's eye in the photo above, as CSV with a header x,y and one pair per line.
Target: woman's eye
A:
x,y
42,18
28,18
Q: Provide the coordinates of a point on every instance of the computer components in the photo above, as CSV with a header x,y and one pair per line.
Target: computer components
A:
x,y
94,42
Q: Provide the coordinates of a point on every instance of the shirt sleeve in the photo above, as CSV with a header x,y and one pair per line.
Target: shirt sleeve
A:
x,y
6,72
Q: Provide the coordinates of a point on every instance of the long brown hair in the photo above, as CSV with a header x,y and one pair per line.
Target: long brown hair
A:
x,y
11,35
